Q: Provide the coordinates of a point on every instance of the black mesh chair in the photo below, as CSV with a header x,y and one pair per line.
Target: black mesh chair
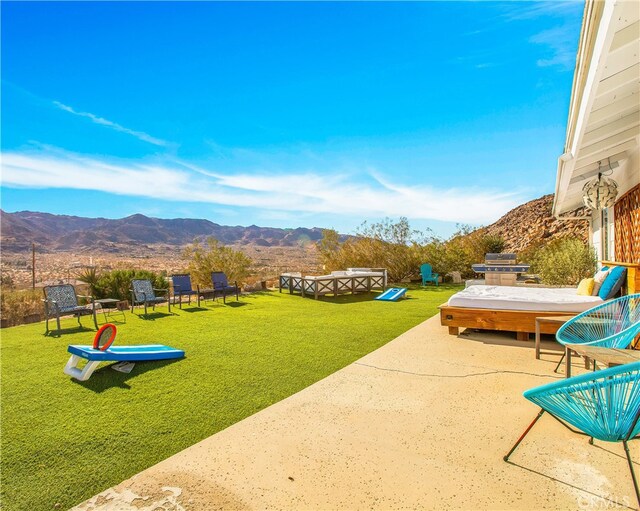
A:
x,y
142,292
61,300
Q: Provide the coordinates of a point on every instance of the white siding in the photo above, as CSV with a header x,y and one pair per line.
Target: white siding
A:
x,y
596,234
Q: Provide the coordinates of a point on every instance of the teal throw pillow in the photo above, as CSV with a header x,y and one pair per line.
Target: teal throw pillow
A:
x,y
613,282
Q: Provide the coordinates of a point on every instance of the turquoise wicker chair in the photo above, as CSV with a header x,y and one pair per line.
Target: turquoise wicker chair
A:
x,y
613,324
427,275
602,404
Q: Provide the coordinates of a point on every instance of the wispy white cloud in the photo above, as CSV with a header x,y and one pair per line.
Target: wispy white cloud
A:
x,y
312,192
561,47
515,11
559,43
113,125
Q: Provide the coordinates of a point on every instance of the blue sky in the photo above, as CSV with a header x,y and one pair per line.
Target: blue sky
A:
x,y
285,114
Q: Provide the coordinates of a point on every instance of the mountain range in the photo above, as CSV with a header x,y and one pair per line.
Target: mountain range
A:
x,y
528,224
72,233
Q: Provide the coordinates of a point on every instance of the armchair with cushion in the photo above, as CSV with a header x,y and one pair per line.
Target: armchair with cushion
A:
x,y
221,286
61,300
182,287
142,292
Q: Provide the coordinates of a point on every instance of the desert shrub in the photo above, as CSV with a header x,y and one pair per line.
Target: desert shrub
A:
x,y
387,244
493,243
464,248
117,283
400,249
91,278
6,281
564,262
528,253
213,256
15,305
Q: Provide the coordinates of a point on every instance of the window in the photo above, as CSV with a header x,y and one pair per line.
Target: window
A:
x,y
604,235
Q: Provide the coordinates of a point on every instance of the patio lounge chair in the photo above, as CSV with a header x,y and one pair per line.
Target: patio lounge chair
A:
x,y
613,324
61,300
427,275
221,286
602,404
142,292
182,287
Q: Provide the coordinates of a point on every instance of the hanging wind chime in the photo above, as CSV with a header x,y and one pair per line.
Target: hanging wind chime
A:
x,y
601,192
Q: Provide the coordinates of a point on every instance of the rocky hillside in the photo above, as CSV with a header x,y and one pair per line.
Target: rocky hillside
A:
x,y
532,223
60,233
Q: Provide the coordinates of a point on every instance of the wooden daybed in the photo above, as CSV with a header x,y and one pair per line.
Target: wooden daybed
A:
x,y
512,309
521,322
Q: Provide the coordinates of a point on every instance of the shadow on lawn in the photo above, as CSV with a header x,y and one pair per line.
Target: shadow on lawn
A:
x,y
152,316
73,330
235,304
106,378
346,299
191,310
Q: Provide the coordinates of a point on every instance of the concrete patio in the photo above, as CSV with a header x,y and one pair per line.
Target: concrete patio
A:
x,y
421,423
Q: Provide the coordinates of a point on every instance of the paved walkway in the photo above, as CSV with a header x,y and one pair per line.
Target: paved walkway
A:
x,y
421,423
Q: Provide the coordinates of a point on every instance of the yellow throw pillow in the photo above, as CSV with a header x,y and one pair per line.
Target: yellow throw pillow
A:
x,y
585,288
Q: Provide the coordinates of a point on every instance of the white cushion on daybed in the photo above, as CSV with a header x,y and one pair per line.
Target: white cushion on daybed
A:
x,y
524,299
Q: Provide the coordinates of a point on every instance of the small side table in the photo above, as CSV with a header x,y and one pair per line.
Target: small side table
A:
x,y
607,356
555,322
110,307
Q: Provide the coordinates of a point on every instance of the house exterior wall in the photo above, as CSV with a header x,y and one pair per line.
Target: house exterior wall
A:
x,y
623,247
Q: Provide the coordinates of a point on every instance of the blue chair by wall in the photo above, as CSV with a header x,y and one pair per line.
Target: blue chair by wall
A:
x,y
613,324
603,404
427,275
181,283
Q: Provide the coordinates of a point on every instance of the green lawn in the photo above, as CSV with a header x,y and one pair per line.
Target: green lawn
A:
x,y
64,441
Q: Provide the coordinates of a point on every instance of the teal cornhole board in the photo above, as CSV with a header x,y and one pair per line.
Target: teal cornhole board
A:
x,y
392,295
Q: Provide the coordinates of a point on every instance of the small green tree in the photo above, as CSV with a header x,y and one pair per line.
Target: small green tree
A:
x,y
564,262
203,259
90,276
